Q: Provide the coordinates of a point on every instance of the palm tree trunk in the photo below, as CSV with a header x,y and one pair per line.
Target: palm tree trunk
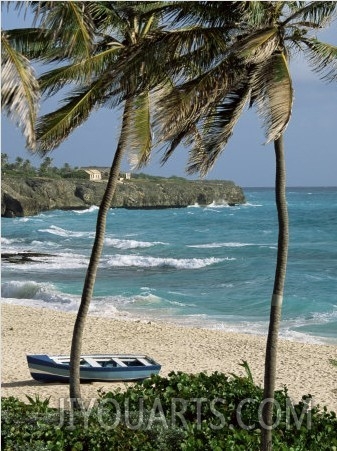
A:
x,y
277,297
88,288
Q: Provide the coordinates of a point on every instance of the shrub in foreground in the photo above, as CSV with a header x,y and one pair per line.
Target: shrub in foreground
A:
x,y
181,412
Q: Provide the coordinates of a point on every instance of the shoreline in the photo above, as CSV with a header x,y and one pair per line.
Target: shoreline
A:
x,y
179,321
303,367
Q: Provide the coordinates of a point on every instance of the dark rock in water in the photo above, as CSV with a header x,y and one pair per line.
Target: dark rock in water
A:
x,y
23,257
27,197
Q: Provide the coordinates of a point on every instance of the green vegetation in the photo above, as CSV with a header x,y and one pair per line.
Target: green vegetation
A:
x,y
24,168
180,412
153,178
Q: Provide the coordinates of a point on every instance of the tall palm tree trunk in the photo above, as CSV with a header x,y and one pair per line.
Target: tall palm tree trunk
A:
x,y
277,297
88,288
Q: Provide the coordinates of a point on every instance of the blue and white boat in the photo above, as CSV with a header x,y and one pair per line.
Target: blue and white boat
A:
x,y
99,367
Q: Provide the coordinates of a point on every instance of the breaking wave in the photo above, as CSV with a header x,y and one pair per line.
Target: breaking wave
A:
x,y
151,262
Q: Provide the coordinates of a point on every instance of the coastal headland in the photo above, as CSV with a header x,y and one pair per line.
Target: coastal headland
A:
x,y
30,196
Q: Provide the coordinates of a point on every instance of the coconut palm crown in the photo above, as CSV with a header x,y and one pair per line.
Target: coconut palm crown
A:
x,y
250,69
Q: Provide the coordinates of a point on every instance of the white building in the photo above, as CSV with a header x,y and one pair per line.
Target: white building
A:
x,y
94,174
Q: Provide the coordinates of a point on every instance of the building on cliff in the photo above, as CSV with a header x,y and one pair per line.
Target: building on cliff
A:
x,y
94,174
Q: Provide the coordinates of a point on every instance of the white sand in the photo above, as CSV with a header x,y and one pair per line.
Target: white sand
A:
x,y
304,368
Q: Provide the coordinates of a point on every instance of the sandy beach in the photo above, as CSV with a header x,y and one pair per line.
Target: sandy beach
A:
x,y
304,368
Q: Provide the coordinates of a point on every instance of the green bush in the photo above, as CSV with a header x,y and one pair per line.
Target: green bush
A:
x,y
79,174
180,412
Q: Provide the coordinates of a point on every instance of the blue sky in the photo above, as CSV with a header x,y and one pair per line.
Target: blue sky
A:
x,y
310,139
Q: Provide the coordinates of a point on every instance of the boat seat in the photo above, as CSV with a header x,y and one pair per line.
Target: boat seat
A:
x,y
119,362
92,362
59,361
144,362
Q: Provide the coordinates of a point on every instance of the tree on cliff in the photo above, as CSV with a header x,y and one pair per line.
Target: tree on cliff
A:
x,y
45,166
250,70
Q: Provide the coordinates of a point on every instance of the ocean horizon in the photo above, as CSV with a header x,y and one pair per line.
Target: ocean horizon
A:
x,y
210,267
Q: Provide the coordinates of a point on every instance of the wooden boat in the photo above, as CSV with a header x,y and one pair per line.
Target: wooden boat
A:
x,y
99,367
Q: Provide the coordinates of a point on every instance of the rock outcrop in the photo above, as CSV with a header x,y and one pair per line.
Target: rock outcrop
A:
x,y
27,197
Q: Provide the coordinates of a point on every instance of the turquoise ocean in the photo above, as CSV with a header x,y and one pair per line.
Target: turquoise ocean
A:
x,y
210,267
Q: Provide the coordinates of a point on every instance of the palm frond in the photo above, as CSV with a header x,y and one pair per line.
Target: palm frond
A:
x,y
171,135
207,14
20,92
132,19
273,94
107,16
71,24
322,58
140,134
187,106
186,103
258,14
33,43
178,56
79,72
218,128
319,13
182,106
257,46
53,128
182,136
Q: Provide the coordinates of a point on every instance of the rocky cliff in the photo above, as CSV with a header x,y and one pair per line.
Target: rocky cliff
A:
x,y
26,197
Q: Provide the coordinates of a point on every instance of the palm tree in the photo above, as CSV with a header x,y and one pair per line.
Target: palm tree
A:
x,y
251,68
93,38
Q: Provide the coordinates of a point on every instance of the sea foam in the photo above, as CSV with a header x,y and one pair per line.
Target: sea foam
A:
x,y
130,244
91,209
150,262
54,230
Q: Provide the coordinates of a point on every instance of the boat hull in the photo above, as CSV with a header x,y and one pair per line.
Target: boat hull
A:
x,y
44,368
